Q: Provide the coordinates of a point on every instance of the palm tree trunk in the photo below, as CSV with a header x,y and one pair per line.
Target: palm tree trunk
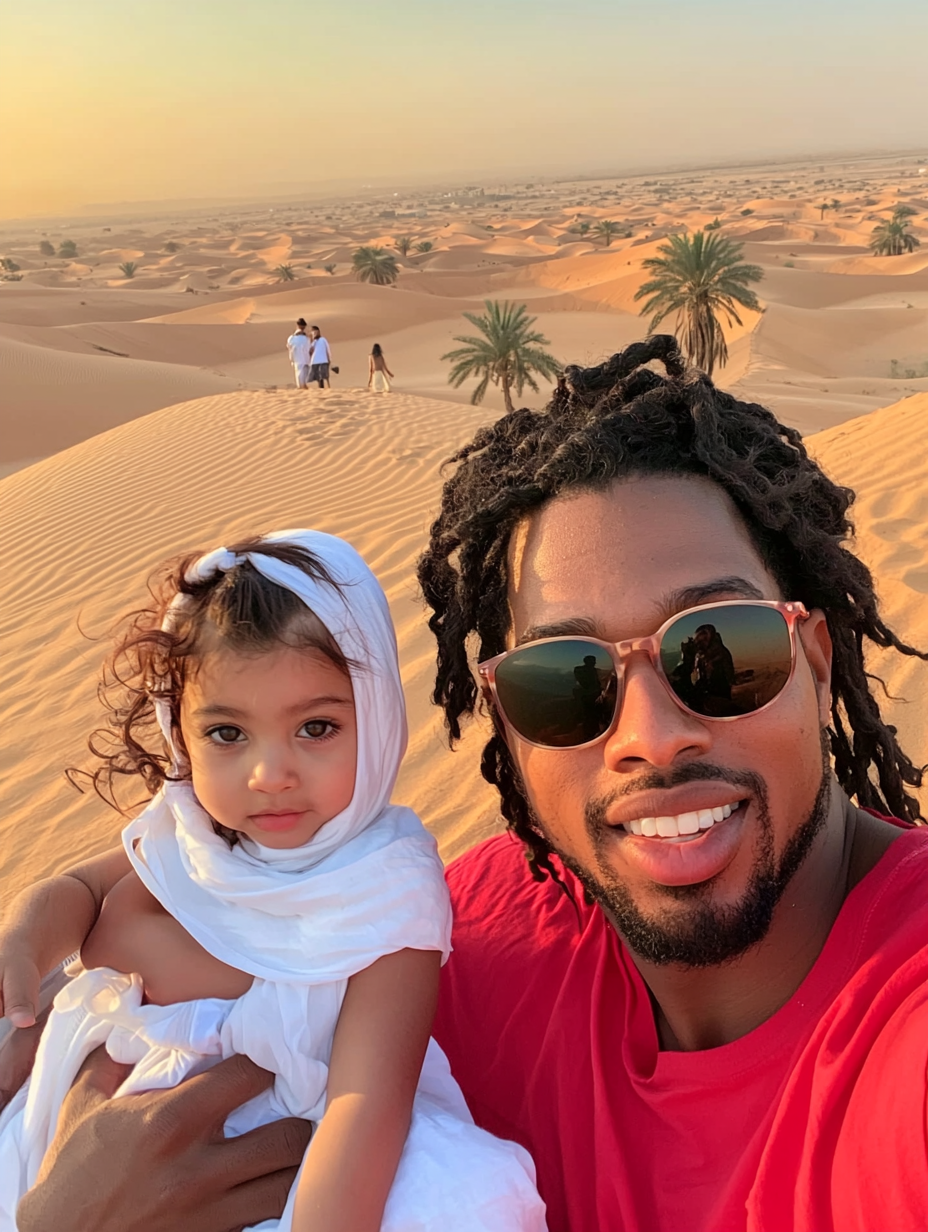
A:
x,y
507,396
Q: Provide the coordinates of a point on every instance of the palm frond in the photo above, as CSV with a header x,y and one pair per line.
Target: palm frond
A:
x,y
696,278
506,351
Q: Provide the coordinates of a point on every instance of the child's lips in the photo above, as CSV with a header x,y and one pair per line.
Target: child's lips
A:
x,y
277,822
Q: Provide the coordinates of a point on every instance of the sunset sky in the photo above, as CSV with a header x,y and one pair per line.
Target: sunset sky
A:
x,y
125,100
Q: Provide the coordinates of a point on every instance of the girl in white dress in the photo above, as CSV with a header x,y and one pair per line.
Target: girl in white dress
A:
x,y
378,372
268,900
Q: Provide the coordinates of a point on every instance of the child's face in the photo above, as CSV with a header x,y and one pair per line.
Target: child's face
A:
x,y
272,742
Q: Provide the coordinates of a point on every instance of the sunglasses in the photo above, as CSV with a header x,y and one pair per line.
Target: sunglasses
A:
x,y
721,661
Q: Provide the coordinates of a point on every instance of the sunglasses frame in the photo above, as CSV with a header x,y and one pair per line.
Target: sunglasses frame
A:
x,y
619,652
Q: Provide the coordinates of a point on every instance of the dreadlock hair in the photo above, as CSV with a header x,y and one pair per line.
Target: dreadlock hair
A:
x,y
623,419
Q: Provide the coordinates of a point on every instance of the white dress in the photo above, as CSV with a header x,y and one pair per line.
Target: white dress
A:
x,y
452,1175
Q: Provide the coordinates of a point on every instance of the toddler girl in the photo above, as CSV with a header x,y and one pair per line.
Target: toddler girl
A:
x,y
269,900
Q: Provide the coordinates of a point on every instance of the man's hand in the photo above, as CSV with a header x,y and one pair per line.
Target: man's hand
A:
x,y
17,1057
158,1162
19,985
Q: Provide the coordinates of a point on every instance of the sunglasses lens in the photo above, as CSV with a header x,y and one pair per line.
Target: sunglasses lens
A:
x,y
558,694
727,661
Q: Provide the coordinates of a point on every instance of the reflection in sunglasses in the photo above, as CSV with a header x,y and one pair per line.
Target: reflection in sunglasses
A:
x,y
720,661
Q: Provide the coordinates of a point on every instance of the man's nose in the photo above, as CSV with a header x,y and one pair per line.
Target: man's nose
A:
x,y
651,727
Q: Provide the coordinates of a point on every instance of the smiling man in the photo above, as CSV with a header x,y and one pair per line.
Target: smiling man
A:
x,y
703,1002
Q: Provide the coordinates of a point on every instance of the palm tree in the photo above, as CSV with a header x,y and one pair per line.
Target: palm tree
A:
x,y
403,244
128,269
285,273
822,207
892,237
424,246
508,353
606,229
697,278
715,225
375,265
581,228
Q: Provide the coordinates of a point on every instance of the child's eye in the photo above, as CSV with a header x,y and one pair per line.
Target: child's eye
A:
x,y
225,734
318,729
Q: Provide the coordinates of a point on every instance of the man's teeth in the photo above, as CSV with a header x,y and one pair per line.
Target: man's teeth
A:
x,y
683,823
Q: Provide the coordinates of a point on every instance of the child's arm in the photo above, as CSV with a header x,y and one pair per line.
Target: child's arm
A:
x,y
45,924
380,1041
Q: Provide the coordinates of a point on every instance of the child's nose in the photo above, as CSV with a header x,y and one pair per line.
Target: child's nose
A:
x,y
273,771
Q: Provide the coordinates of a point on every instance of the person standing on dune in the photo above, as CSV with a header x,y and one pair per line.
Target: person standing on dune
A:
x,y
320,358
378,372
299,348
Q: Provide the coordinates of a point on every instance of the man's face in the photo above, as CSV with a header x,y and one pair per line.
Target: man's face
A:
x,y
616,564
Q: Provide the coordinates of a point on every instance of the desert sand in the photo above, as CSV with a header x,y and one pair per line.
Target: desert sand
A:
x,y
214,295
154,415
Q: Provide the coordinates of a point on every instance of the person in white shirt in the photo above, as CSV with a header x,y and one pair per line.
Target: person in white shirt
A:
x,y
299,348
320,358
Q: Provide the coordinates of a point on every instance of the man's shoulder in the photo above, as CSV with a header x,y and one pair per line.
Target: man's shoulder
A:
x,y
498,903
889,907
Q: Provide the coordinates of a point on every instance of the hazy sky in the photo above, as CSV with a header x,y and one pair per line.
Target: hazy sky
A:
x,y
120,100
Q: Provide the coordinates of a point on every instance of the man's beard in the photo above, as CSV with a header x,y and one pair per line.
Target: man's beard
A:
x,y
706,935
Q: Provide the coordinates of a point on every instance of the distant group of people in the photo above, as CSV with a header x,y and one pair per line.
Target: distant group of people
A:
x,y
311,357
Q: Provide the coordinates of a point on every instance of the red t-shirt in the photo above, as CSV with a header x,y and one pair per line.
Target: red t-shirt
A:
x,y
815,1121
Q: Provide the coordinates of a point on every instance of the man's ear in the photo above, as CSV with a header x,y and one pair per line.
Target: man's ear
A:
x,y
815,637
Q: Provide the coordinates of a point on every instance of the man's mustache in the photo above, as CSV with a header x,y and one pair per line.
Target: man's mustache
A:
x,y
657,780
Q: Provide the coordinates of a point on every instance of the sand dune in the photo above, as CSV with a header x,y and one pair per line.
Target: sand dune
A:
x,y
62,396
208,300
884,457
89,524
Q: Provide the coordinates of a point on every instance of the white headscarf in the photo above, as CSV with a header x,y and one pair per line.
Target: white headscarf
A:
x,y
369,882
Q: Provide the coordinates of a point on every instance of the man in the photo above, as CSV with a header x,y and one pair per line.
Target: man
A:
x,y
321,358
298,348
702,1002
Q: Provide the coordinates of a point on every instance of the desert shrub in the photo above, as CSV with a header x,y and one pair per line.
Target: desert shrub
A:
x,y
68,249
329,269
46,248
8,264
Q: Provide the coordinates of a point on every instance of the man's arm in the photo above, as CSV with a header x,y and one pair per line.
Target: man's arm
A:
x,y
45,924
158,1162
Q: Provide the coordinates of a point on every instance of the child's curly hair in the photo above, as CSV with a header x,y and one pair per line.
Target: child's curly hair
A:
x,y
239,609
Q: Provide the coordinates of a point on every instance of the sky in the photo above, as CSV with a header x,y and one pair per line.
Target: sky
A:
x,y
139,100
